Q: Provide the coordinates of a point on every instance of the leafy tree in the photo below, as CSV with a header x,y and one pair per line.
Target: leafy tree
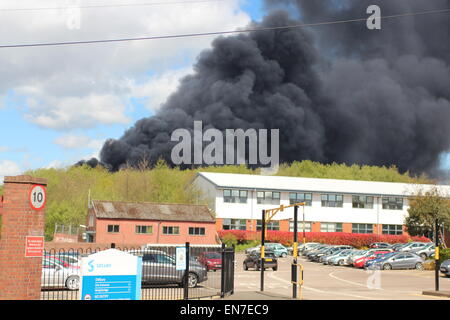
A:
x,y
425,208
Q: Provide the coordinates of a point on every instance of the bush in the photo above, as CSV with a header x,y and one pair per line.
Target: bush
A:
x,y
444,254
230,240
287,238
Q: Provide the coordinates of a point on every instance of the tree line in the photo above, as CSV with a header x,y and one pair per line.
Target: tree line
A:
x,y
69,188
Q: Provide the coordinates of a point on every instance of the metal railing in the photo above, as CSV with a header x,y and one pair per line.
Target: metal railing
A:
x,y
210,272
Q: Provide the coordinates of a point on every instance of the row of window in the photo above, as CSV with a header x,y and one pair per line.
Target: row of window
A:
x,y
240,224
327,200
167,230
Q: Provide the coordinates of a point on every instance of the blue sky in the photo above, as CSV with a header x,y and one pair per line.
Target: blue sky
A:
x,y
58,105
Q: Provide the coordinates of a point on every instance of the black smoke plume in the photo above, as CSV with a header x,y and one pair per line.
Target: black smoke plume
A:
x,y
338,93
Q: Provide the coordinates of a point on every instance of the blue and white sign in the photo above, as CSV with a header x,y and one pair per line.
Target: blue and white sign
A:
x,y
180,258
111,275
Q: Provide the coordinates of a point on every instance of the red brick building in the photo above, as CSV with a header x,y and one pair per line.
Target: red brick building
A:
x,y
150,223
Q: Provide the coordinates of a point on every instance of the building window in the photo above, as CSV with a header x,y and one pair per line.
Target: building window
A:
x,y
113,228
268,197
330,227
272,225
392,203
300,226
393,229
144,229
235,196
196,231
171,230
234,224
300,197
362,202
332,200
362,228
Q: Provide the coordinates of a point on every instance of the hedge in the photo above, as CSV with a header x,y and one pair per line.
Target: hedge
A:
x,y
286,238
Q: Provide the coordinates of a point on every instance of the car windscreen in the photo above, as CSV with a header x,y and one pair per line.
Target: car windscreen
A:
x,y
213,255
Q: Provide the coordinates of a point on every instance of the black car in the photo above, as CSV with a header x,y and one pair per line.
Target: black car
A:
x,y
253,260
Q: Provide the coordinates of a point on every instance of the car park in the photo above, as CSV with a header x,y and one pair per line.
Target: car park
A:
x,y
160,268
332,250
211,260
398,260
253,260
445,268
56,275
314,249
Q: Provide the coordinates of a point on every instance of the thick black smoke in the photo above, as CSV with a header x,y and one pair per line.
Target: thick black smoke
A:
x,y
338,93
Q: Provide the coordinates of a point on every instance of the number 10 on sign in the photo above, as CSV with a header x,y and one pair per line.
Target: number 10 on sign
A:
x,y
37,197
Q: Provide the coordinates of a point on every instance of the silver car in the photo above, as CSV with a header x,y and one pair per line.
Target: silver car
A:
x,y
425,252
342,259
413,246
445,267
399,260
160,268
55,275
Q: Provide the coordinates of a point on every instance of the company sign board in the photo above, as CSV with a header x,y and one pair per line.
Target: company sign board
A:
x,y
111,275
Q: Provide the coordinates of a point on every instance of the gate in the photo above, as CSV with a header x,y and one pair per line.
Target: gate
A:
x,y
212,268
227,277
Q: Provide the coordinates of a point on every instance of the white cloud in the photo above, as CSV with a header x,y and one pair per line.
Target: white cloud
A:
x,y
72,141
8,168
159,87
69,87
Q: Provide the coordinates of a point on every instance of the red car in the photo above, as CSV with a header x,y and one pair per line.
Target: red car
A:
x,y
211,260
359,263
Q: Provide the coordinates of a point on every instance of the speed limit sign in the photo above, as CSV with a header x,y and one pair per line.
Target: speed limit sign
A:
x,y
37,197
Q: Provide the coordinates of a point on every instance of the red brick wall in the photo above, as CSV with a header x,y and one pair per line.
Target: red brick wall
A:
x,y
127,233
20,277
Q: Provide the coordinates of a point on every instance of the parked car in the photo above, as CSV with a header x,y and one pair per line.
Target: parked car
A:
x,y
342,259
329,258
253,260
277,248
359,263
368,264
399,260
211,260
412,246
397,246
445,267
379,245
314,249
334,249
253,249
56,275
314,254
425,252
160,268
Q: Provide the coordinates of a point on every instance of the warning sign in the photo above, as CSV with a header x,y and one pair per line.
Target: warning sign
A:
x,y
34,247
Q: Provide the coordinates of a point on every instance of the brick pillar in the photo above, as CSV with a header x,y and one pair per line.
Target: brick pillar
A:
x,y
20,276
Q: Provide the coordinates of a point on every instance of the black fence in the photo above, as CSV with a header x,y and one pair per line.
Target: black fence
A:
x,y
210,272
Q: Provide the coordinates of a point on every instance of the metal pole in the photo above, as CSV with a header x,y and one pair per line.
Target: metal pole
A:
x,y
186,274
222,273
304,237
295,252
436,257
263,231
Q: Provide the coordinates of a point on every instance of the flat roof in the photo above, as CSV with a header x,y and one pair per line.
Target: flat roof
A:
x,y
316,185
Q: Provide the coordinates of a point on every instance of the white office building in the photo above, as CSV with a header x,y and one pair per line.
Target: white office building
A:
x,y
331,205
